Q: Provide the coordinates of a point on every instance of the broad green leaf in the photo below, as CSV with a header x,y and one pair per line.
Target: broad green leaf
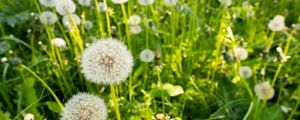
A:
x,y
53,106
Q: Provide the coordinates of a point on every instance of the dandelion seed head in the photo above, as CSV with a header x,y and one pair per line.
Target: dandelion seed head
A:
x,y
277,23
64,7
84,106
68,20
119,1
171,2
106,61
58,42
226,2
4,59
84,2
88,24
28,116
147,55
102,6
240,53
146,2
48,17
48,3
262,89
135,29
134,20
245,72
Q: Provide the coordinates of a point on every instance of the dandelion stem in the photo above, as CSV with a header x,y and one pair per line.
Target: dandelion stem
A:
x,y
45,85
115,100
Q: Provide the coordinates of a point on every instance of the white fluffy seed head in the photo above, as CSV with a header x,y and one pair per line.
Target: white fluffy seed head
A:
x,y
28,116
135,29
88,24
240,53
226,2
277,23
261,90
4,59
48,17
171,2
84,106
58,42
106,61
48,3
146,2
134,20
69,19
64,7
147,55
245,72
102,6
84,2
119,1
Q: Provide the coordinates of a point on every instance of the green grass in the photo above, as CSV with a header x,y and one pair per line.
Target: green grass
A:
x,y
193,46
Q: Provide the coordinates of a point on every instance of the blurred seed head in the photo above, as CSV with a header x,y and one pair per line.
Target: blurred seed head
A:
x,y
106,61
119,1
147,55
171,2
48,3
88,24
261,90
84,2
135,29
48,17
58,42
240,53
145,2
28,116
84,106
277,23
245,72
134,20
69,19
64,7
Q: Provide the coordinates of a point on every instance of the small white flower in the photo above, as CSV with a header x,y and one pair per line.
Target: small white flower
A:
x,y
134,20
102,6
135,29
240,53
261,90
171,2
146,2
84,106
245,4
69,19
147,55
4,59
106,61
88,24
119,1
48,17
28,116
64,7
84,2
277,23
296,26
245,72
226,2
58,42
48,3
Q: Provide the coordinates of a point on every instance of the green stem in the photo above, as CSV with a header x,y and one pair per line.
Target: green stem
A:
x,y
45,85
115,100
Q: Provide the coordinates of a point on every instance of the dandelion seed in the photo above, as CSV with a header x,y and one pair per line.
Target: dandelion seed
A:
x,y
58,42
119,1
4,59
147,55
84,2
277,23
245,72
240,53
65,7
106,61
135,29
134,20
171,2
48,3
225,2
262,90
84,106
48,17
88,24
146,2
68,20
28,116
